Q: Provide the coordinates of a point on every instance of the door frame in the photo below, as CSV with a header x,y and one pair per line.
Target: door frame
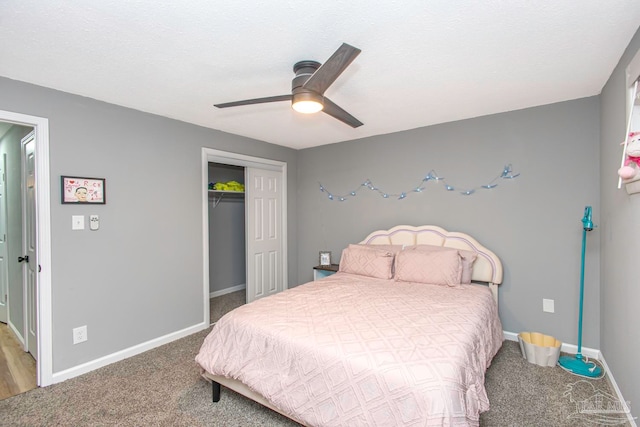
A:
x,y
4,222
210,155
44,362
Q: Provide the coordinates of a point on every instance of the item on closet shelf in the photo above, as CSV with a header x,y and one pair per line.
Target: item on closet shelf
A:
x,y
632,160
228,186
539,349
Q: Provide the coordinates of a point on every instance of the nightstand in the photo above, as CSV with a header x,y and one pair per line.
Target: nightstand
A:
x,y
322,271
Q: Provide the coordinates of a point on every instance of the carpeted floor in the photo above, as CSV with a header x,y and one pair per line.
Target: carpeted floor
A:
x,y
221,305
163,387
524,394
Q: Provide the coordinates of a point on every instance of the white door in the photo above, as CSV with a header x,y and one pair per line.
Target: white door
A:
x,y
265,242
4,247
29,260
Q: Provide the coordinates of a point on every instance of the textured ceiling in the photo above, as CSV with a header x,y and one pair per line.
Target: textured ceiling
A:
x,y
422,62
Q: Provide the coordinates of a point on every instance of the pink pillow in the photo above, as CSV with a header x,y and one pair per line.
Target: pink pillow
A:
x,y
433,267
367,261
394,249
468,258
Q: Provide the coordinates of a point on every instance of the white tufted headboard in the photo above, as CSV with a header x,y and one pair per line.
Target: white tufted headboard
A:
x,y
487,267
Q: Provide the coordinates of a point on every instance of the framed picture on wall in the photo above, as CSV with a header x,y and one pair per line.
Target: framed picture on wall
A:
x,y
325,258
78,190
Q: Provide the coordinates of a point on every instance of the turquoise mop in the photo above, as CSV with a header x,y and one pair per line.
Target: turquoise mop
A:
x,y
580,365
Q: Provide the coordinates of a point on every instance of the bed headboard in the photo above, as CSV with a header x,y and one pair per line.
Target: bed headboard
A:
x,y
486,268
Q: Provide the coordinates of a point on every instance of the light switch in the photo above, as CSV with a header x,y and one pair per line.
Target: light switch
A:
x,y
548,305
94,222
77,222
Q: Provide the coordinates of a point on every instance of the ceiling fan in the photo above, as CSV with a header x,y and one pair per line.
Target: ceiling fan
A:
x,y
308,86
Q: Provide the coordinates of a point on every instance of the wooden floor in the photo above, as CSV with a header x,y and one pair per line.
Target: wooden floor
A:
x,y
17,368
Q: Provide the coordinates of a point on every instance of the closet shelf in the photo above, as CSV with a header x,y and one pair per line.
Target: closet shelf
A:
x,y
218,195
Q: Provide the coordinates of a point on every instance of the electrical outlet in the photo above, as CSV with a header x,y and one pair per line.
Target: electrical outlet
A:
x,y
548,305
80,334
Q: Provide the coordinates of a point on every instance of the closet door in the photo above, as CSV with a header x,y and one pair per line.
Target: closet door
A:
x,y
263,204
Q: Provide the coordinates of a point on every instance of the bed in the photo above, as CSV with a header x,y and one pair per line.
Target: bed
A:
x,y
402,334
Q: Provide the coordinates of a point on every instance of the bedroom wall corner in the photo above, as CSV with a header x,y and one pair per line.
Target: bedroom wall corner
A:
x,y
620,241
139,278
532,222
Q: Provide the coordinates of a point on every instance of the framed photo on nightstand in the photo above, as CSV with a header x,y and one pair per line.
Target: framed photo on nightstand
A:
x,y
325,258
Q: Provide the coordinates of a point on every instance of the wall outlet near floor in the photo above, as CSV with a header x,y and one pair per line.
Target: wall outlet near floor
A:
x,y
80,334
548,305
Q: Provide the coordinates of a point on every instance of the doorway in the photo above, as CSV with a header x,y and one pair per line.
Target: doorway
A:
x,y
227,258
18,367
41,244
265,223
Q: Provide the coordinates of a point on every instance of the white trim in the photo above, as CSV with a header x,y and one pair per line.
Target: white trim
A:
x,y
614,384
44,362
126,353
227,290
16,333
632,73
206,309
567,348
593,354
229,158
235,159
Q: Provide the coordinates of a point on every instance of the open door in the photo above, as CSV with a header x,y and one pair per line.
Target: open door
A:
x,y
30,269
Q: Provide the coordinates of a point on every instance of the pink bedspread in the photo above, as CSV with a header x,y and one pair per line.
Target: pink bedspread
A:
x,y
354,351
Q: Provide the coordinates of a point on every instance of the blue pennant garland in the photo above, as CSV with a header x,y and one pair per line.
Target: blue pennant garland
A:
x,y
507,173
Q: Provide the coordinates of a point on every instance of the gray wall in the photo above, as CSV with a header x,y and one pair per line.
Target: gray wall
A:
x,y
620,242
140,276
532,222
10,145
227,252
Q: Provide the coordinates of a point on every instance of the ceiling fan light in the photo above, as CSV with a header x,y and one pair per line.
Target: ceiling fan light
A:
x,y
307,103
307,107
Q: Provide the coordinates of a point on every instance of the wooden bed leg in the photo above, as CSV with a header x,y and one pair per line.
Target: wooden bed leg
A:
x,y
215,388
494,290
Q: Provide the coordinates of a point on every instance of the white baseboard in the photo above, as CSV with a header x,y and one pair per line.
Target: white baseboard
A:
x,y
593,354
567,348
227,291
16,333
137,349
123,354
612,380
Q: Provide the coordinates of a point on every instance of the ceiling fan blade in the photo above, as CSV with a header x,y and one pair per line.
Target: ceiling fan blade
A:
x,y
338,113
255,101
332,68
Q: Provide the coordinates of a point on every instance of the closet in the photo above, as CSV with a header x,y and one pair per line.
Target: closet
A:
x,y
247,231
227,250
